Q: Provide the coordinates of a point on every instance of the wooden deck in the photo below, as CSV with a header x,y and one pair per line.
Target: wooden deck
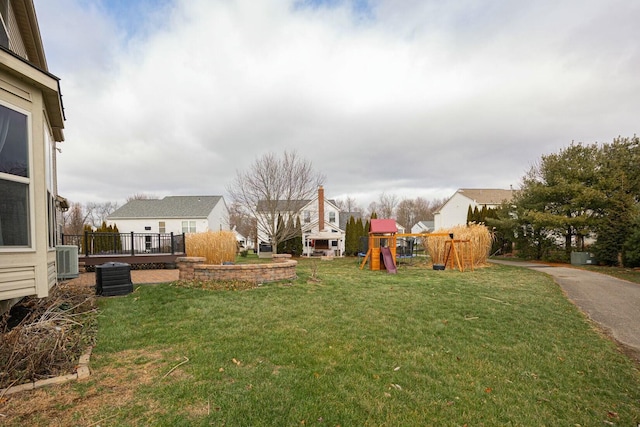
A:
x,y
93,260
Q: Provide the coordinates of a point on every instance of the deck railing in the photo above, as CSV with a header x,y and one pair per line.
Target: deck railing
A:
x,y
99,243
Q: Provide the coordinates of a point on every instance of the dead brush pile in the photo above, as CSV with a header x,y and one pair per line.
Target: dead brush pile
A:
x,y
50,338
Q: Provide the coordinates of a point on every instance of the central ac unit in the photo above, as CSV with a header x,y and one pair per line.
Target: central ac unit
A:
x,y
67,261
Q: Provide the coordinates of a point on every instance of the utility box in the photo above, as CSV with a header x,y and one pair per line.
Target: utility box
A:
x,y
583,258
67,262
113,278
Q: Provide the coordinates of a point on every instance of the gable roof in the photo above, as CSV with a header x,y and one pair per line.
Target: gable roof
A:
x,y
346,216
486,196
288,205
169,207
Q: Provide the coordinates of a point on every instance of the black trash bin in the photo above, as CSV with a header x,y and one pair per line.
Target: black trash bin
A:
x,y
113,278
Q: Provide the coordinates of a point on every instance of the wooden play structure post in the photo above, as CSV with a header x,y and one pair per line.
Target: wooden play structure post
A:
x,y
382,233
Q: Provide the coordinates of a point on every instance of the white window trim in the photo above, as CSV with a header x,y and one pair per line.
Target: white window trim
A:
x,y
33,238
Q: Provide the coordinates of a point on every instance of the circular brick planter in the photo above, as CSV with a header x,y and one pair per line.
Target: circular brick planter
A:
x,y
194,268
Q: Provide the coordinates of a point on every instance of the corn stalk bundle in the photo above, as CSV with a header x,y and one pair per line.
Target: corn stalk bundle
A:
x,y
479,237
216,247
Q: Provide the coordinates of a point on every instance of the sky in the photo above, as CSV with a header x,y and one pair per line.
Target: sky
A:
x,y
412,98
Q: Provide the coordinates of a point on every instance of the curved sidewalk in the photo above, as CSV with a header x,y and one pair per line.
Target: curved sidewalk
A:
x,y
612,303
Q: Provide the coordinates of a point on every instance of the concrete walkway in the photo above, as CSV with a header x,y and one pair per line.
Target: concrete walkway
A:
x,y
612,303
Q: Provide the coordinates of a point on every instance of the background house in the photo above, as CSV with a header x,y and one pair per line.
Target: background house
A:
x,y
422,227
454,211
172,214
31,123
320,219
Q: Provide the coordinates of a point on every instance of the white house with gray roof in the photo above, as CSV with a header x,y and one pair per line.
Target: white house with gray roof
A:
x,y
454,211
172,214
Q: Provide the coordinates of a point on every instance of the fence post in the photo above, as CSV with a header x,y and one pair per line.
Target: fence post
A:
x,y
173,249
86,243
184,244
133,252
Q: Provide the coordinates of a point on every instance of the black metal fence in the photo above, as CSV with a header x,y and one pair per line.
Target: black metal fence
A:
x,y
95,243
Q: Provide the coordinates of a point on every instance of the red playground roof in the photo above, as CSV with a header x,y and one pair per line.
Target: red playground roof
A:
x,y
380,226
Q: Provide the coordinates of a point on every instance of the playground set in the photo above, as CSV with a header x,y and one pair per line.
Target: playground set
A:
x,y
382,248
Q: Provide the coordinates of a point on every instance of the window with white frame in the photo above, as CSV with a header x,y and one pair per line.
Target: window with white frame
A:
x,y
188,226
332,217
162,227
306,217
15,180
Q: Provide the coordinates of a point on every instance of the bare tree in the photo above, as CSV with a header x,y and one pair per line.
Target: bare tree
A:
x,y
139,196
372,208
348,205
410,211
74,220
97,213
387,205
274,188
245,224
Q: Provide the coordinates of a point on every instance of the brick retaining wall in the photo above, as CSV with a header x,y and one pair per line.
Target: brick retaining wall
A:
x,y
194,268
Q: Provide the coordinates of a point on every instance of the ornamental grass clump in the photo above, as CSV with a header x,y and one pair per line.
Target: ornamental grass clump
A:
x,y
479,238
216,247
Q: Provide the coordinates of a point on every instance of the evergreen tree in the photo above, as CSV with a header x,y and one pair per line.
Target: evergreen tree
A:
x,y
469,215
631,252
483,215
296,241
476,215
364,232
351,237
619,182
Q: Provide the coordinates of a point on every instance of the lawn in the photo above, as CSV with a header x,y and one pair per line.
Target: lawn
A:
x,y
350,347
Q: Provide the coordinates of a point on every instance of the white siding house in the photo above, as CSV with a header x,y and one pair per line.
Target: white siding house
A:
x,y
321,221
31,124
422,227
172,214
454,211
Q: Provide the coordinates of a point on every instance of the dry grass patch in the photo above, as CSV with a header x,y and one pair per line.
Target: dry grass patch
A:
x,y
112,386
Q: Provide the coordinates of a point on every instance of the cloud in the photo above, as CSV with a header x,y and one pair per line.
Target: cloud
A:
x,y
414,98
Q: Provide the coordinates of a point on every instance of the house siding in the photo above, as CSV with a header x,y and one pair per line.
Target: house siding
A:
x,y
453,213
16,44
31,269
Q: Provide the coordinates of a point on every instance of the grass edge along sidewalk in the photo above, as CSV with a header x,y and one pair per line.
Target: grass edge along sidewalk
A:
x,y
498,346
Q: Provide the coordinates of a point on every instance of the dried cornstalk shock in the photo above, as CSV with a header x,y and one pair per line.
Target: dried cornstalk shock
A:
x,y
479,237
216,247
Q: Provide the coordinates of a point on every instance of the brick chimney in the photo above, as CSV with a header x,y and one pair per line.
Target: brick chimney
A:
x,y
320,208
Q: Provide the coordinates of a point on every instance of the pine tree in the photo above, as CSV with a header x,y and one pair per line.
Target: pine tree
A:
x,y
476,215
296,241
363,233
351,237
483,215
469,215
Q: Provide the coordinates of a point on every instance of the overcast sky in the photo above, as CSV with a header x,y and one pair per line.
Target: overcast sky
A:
x,y
407,97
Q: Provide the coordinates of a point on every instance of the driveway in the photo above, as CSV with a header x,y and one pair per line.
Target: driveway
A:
x,y
612,303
